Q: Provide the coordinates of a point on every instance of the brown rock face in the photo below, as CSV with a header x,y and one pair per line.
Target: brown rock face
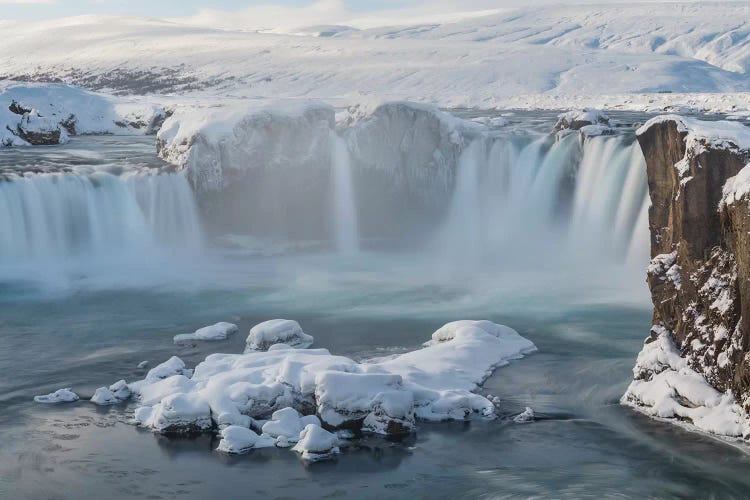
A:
x,y
700,252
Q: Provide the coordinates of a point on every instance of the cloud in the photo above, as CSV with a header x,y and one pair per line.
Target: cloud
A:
x,y
331,12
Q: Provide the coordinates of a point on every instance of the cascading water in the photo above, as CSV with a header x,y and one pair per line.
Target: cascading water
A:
x,y
344,206
518,199
59,216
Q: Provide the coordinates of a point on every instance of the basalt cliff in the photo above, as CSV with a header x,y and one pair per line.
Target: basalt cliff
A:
x,y
695,364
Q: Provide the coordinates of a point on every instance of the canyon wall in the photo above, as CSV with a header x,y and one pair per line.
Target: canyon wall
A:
x,y
695,365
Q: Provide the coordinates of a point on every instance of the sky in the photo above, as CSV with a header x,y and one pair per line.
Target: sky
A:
x,y
262,14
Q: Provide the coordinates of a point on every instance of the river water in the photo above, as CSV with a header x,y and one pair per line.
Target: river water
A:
x,y
89,319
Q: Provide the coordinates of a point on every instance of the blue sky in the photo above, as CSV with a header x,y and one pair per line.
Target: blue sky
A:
x,y
29,9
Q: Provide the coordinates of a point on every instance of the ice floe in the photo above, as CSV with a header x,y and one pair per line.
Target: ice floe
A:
x,y
59,396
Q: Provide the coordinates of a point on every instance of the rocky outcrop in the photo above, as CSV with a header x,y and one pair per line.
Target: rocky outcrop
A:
x,y
698,275
47,114
262,170
406,154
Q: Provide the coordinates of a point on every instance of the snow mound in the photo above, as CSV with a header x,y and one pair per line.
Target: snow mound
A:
x,y
277,331
114,394
316,443
666,387
383,396
238,440
59,396
218,331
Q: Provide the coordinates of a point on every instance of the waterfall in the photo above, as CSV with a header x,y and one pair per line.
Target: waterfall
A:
x,y
58,216
463,231
536,200
344,206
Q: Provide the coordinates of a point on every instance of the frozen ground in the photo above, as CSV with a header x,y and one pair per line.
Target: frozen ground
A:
x,y
627,56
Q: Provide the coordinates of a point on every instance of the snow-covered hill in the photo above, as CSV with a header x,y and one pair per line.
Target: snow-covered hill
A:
x,y
562,54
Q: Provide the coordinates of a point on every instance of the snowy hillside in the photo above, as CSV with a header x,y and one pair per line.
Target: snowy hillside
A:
x,y
521,58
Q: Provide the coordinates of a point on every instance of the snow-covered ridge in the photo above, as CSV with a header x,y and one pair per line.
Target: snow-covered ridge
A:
x,y
33,114
578,53
721,134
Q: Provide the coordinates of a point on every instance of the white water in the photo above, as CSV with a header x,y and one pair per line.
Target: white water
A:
x,y
520,200
344,205
59,216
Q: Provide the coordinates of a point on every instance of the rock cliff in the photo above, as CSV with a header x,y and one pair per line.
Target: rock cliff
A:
x,y
695,365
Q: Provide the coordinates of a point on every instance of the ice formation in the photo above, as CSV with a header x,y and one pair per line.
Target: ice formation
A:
x,y
218,331
59,396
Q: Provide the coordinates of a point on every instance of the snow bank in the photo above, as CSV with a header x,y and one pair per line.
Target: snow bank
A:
x,y
37,114
277,331
59,396
382,396
218,331
665,386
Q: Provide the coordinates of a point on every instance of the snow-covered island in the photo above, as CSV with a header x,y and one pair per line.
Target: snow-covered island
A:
x,y
278,395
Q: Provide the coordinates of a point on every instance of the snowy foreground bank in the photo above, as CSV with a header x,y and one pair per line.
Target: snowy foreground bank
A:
x,y
283,395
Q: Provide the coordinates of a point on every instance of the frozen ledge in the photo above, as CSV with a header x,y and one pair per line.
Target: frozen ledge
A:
x,y
666,387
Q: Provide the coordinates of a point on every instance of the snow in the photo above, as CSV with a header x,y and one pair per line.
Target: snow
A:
x,y
277,331
737,187
229,138
62,109
237,440
218,331
525,416
316,443
114,394
666,268
381,396
596,55
59,396
666,387
722,134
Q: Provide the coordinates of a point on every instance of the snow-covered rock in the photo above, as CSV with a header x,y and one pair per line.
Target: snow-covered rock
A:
x,y
277,331
578,119
178,413
44,114
114,394
665,386
374,402
525,416
218,146
316,443
381,396
59,396
218,331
